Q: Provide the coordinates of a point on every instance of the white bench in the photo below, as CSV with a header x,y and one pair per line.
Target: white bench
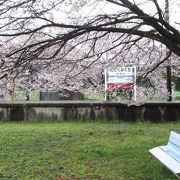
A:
x,y
169,155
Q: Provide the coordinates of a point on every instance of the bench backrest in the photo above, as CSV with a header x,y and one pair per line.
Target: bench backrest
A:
x,y
174,142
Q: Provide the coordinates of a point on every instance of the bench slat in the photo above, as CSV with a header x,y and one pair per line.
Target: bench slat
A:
x,y
173,147
171,152
175,138
165,159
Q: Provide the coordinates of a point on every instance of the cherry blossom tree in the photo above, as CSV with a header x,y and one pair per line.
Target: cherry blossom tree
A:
x,y
49,34
83,76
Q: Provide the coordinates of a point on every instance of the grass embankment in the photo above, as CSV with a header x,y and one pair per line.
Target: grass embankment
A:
x,y
82,151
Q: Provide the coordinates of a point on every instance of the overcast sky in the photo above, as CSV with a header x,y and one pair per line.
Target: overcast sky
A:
x,y
93,7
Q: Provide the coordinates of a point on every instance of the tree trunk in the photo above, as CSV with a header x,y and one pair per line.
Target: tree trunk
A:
x,y
168,68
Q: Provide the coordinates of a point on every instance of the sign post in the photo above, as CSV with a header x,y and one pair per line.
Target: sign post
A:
x,y
120,79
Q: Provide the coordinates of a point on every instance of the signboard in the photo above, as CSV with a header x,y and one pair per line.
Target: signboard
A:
x,y
120,78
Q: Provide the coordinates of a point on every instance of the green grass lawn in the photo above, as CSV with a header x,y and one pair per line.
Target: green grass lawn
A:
x,y
88,151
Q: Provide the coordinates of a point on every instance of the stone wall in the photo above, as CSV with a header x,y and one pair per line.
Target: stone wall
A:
x,y
88,110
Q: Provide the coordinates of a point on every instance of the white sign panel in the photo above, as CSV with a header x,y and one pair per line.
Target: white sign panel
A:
x,y
120,79
124,70
110,73
120,75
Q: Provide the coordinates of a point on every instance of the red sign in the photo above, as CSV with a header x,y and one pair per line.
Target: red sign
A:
x,y
120,87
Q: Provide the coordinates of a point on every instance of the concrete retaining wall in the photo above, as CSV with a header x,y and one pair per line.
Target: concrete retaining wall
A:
x,y
88,110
